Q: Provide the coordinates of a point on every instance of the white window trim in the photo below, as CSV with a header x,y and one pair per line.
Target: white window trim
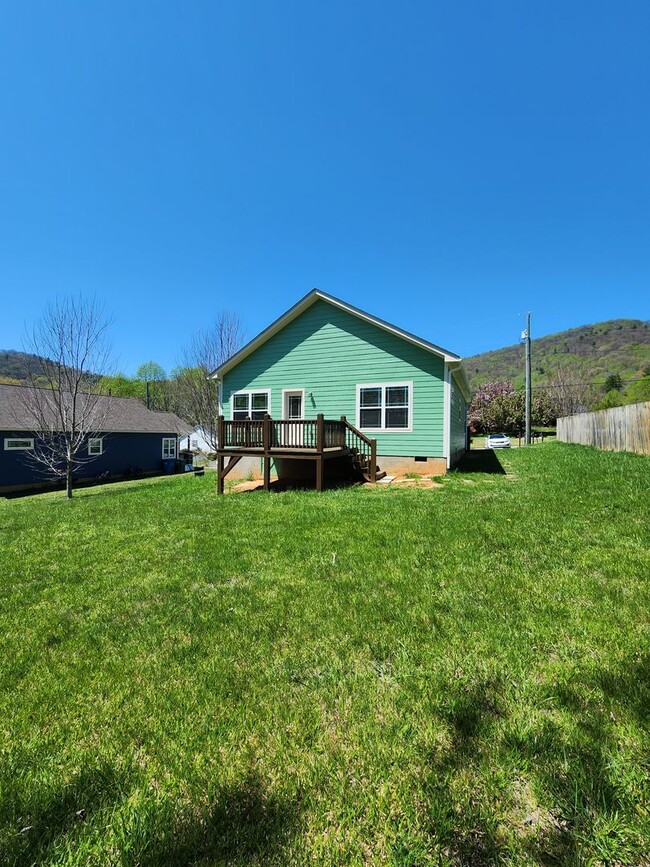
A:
x,y
446,421
383,428
10,448
169,440
99,440
286,392
249,391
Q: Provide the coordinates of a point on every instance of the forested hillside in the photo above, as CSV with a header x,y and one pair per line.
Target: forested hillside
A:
x,y
16,366
619,347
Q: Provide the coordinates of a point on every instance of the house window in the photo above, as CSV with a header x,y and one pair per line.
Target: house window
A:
x,y
95,446
250,404
169,447
14,445
385,406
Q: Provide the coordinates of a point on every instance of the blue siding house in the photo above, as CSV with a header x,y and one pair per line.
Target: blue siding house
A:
x,y
132,440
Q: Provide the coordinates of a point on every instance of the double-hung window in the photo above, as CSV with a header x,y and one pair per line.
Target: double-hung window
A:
x,y
168,447
250,405
385,406
95,446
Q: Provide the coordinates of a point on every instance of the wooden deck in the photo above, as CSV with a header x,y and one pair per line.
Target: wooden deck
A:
x,y
317,440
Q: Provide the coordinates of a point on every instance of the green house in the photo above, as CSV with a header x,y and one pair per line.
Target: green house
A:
x,y
324,359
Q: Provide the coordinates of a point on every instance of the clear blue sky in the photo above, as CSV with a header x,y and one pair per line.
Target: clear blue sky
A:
x,y
444,165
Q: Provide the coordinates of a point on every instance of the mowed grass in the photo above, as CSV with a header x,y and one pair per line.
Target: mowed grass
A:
x,y
367,676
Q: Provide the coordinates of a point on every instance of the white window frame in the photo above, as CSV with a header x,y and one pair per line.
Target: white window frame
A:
x,y
166,449
383,386
92,440
250,392
13,448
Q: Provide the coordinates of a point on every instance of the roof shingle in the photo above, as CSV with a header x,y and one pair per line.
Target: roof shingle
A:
x,y
119,414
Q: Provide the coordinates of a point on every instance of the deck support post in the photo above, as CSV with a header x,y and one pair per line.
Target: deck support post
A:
x,y
373,460
266,445
319,473
220,460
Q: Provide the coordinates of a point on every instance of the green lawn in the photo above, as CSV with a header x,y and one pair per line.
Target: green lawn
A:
x,y
458,675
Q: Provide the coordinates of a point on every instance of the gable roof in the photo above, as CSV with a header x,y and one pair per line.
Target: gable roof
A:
x,y
306,302
117,414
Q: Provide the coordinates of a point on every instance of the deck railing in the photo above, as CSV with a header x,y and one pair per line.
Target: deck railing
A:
x,y
315,434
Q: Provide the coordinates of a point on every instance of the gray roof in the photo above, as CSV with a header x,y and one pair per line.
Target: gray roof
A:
x,y
118,414
302,305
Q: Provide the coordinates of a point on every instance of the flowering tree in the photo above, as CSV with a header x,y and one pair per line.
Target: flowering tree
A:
x,y
489,407
497,406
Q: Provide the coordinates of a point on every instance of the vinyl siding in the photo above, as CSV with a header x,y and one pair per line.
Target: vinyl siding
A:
x,y
328,352
121,450
458,432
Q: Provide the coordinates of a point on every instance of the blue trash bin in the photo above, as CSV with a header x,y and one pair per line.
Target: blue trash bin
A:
x,y
169,465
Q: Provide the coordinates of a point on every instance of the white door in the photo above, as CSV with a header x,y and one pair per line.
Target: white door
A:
x,y
293,401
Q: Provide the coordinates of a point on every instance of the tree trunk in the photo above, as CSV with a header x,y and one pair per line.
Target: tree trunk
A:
x,y
68,474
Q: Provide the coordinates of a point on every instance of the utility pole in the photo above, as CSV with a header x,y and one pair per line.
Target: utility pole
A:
x,y
529,388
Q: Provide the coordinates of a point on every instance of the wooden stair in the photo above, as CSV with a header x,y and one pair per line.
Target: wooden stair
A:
x,y
361,465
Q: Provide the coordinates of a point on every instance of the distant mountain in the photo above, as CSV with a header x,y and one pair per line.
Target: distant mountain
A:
x,y
616,347
17,366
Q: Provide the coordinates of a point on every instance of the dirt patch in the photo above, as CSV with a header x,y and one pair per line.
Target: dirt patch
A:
x,y
417,483
245,486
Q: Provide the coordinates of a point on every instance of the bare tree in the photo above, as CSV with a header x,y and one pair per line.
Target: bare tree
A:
x,y
571,390
62,403
197,393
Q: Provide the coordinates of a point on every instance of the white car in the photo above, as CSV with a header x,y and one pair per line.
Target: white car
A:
x,y
497,441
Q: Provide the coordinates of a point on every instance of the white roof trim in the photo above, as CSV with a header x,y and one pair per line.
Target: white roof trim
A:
x,y
307,301
459,374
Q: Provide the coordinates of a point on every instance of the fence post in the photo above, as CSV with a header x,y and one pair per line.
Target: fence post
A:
x,y
320,431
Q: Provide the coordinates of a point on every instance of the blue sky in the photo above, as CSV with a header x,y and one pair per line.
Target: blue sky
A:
x,y
445,166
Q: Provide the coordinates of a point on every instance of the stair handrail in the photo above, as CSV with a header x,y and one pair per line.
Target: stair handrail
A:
x,y
356,431
371,443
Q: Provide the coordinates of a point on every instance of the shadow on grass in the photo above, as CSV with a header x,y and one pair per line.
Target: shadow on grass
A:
x,y
480,461
41,822
577,807
629,684
245,824
469,835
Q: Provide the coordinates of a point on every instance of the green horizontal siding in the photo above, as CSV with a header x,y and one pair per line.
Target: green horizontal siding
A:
x,y
328,352
458,439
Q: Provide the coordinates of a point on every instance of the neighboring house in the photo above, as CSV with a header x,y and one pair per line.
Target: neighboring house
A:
x,y
197,442
132,439
324,356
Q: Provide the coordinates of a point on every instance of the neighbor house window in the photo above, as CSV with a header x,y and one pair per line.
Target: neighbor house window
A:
x,y
95,446
14,445
169,447
385,406
250,404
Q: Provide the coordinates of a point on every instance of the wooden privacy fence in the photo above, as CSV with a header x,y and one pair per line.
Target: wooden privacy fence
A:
x,y
620,429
